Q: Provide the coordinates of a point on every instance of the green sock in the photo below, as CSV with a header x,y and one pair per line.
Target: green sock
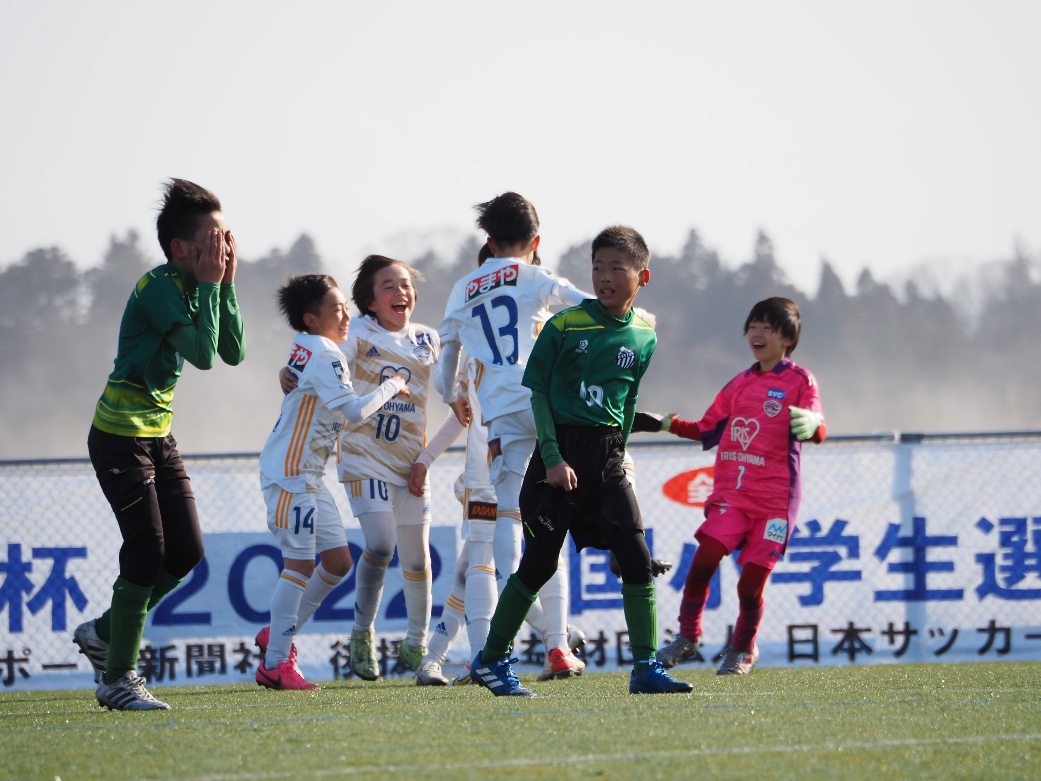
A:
x,y
641,616
126,627
510,613
163,586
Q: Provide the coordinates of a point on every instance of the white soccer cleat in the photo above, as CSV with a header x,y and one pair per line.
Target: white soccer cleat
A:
x,y
739,662
128,693
92,647
429,674
576,638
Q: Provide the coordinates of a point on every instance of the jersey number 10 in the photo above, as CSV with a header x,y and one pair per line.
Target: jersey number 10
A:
x,y
510,329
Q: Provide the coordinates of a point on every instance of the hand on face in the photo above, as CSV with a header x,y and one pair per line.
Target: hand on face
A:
x,y
209,265
231,259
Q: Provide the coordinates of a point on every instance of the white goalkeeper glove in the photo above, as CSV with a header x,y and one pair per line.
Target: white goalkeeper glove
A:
x,y
805,423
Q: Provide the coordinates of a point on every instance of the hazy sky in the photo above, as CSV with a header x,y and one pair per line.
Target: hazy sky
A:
x,y
868,133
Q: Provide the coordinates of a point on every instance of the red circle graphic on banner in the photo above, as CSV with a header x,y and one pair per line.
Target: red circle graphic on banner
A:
x,y
691,488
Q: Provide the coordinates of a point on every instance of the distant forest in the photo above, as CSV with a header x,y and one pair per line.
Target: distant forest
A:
x,y
886,359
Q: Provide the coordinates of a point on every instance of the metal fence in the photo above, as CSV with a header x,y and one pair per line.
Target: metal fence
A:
x,y
908,548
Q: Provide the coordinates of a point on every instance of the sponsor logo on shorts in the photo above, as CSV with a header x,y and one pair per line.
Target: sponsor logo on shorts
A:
x,y
546,522
773,393
743,431
772,407
625,358
582,346
481,511
507,275
338,371
299,357
494,449
776,531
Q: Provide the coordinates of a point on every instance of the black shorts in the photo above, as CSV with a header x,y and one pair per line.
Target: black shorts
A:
x,y
145,482
601,506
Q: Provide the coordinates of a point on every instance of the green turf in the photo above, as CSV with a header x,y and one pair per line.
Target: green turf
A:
x,y
894,721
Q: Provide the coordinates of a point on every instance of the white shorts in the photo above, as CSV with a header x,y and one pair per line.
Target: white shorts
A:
x,y
368,495
511,441
304,524
479,504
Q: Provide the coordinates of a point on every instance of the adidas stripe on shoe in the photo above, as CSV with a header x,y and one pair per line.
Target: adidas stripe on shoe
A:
x,y
498,677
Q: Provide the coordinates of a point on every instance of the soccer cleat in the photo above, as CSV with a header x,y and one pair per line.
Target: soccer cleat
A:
x,y
264,637
429,674
128,693
576,638
413,657
675,652
363,655
285,676
464,678
499,677
92,647
560,664
738,662
654,680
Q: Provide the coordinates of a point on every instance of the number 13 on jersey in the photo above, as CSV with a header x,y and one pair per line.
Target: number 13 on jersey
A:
x,y
508,330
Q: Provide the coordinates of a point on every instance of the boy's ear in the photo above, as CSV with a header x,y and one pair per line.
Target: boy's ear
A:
x,y
310,320
181,249
644,277
535,243
492,247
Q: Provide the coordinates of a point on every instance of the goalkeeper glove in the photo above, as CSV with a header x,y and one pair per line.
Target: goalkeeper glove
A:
x,y
805,423
650,422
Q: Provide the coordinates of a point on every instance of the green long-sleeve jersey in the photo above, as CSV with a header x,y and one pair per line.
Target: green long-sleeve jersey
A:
x,y
170,318
585,370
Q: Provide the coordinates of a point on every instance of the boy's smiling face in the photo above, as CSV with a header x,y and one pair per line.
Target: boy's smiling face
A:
x,y
395,297
332,319
768,346
616,280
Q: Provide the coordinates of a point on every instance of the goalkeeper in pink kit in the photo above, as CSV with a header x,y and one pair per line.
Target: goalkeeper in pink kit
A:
x,y
758,421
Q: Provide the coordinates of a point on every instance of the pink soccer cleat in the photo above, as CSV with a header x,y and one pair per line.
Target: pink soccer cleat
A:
x,y
285,677
264,637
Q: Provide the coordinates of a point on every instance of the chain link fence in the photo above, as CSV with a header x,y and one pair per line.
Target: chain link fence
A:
x,y
907,548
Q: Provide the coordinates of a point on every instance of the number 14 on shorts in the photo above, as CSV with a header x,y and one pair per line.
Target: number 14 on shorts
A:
x,y
306,521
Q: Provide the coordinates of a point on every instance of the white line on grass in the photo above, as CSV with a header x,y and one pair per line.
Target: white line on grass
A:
x,y
619,757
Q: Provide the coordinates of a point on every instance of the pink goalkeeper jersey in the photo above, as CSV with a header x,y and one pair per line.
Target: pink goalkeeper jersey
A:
x,y
757,465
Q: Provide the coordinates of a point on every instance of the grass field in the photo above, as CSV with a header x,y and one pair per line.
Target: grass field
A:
x,y
897,721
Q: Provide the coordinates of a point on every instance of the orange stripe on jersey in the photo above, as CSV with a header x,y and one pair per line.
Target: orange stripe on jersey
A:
x,y
480,375
292,439
312,403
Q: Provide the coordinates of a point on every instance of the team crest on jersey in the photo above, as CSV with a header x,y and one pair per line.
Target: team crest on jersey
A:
x,y
338,371
299,357
422,353
373,353
743,431
626,357
507,275
582,346
389,371
772,407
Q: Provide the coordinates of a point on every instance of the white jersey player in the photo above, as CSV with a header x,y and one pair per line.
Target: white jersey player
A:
x,y
301,513
496,313
377,456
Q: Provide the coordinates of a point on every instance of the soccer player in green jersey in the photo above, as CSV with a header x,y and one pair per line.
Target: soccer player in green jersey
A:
x,y
185,310
584,374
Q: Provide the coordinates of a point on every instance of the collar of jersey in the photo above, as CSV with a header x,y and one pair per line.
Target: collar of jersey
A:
x,y
372,324
598,310
784,364
187,279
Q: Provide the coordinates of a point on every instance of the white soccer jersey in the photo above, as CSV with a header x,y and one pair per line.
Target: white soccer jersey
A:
x,y
304,437
496,313
385,445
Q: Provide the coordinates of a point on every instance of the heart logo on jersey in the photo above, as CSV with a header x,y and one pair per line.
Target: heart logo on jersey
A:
x,y
389,371
743,430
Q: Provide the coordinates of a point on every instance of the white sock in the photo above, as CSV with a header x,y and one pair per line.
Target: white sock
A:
x,y
536,618
368,590
507,546
414,554
446,629
285,605
481,594
319,587
378,529
554,597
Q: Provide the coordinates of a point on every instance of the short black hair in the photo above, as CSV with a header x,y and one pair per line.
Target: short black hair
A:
x,y
183,204
626,239
302,294
484,254
363,291
782,315
508,219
